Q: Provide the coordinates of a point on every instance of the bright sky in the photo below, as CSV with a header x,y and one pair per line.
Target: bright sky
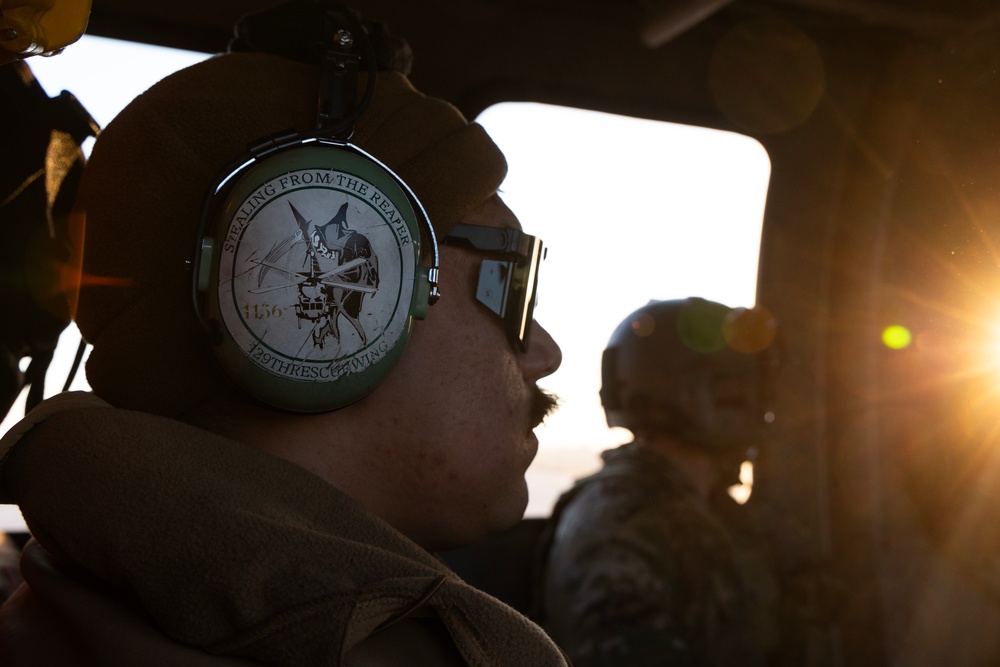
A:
x,y
631,210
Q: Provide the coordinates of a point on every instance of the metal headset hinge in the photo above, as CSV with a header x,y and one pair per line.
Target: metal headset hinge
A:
x,y
274,142
339,87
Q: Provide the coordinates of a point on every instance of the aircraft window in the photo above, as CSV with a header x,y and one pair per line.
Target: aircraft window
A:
x,y
106,74
631,210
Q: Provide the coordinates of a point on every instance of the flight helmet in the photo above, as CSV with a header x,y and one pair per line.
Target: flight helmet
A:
x,y
693,368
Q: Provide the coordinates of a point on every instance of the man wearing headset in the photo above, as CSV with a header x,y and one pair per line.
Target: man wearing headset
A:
x,y
233,492
649,561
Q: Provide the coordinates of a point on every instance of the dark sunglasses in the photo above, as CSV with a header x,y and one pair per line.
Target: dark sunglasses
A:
x,y
507,285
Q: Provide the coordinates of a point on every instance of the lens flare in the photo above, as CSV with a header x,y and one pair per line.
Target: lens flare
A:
x,y
896,337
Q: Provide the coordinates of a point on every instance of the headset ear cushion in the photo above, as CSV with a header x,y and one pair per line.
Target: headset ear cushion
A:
x,y
314,278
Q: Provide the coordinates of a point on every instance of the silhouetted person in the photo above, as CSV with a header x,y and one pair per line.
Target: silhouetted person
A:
x,y
651,561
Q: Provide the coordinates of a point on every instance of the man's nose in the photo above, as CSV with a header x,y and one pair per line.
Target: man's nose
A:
x,y
543,355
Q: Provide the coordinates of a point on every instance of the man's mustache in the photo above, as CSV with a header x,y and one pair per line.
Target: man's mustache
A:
x,y
543,404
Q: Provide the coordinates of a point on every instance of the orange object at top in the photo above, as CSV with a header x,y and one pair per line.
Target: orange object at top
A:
x,y
40,27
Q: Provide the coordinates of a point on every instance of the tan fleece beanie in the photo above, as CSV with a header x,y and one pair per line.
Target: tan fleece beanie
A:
x,y
147,178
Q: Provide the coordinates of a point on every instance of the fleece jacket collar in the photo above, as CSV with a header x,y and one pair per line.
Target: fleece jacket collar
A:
x,y
231,549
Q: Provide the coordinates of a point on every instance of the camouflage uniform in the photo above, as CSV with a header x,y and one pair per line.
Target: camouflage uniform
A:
x,y
641,570
10,574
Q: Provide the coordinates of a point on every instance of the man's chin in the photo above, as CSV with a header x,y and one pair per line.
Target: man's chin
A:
x,y
513,511
499,521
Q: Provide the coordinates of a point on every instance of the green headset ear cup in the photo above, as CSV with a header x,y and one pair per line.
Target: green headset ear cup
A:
x,y
315,276
421,295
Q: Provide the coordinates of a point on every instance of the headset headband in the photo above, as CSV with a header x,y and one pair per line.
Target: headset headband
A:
x,y
307,267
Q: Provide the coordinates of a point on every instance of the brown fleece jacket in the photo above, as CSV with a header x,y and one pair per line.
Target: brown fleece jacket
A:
x,y
233,550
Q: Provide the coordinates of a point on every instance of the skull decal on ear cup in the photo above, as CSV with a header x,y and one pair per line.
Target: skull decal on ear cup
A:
x,y
307,272
312,276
